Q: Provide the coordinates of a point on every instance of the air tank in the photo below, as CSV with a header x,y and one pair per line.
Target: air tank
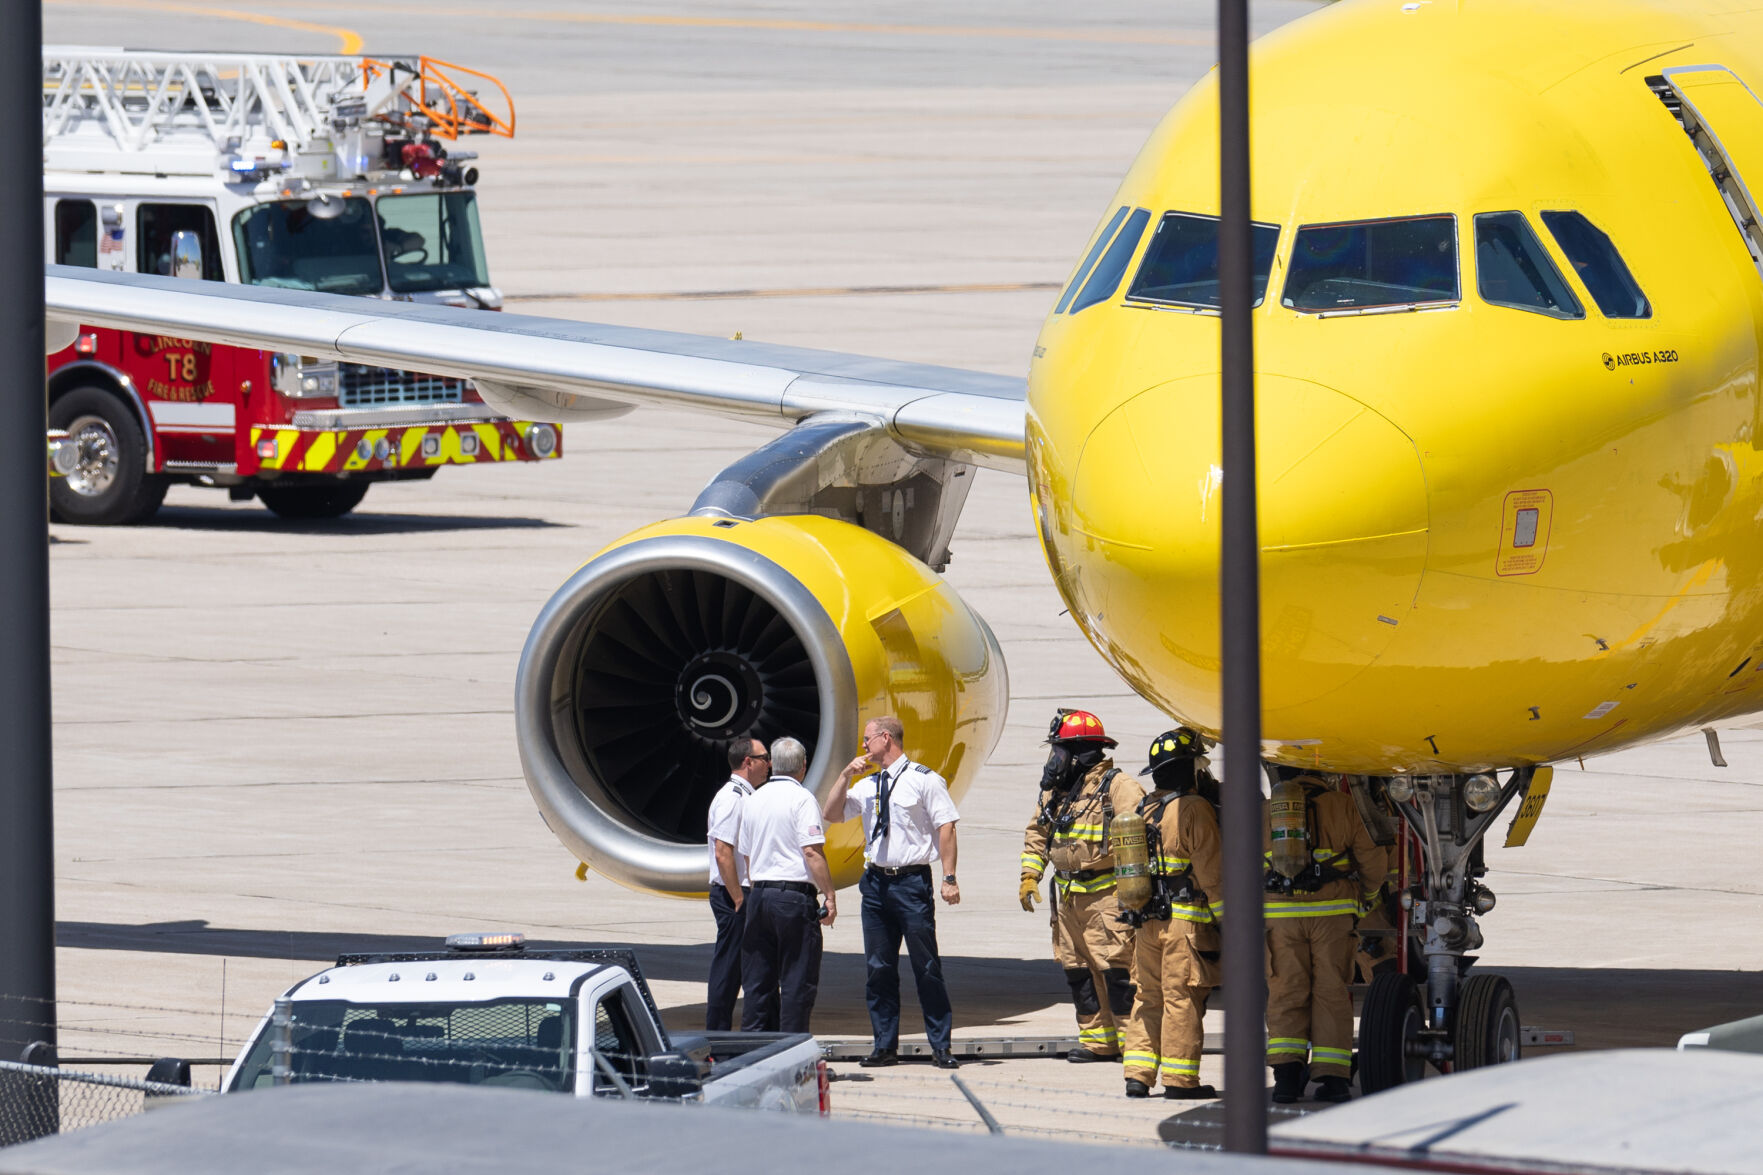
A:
x,y
1286,826
1132,863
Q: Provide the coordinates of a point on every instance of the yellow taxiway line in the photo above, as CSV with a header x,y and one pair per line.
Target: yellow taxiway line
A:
x,y
351,41
348,40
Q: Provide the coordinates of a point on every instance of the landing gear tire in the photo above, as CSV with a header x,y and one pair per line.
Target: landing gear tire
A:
x,y
109,484
1389,1031
310,501
1487,1032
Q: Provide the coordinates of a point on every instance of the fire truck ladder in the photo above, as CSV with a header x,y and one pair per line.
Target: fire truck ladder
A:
x,y
142,97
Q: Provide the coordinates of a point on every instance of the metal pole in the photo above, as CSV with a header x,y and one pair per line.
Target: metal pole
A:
x,y
27,843
979,1107
1245,980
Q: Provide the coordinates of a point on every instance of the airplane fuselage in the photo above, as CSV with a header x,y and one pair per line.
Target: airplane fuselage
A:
x,y
1508,503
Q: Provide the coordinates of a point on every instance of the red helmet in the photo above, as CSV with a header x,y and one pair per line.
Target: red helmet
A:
x,y
1078,726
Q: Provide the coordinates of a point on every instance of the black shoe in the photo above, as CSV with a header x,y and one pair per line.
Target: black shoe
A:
x,y
1333,1089
1137,1088
880,1058
1289,1080
1192,1093
944,1059
1085,1056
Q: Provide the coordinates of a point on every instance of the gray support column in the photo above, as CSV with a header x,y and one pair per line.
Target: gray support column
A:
x,y
1245,979
27,850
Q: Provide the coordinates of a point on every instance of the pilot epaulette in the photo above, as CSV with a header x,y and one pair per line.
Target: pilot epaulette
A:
x,y
923,768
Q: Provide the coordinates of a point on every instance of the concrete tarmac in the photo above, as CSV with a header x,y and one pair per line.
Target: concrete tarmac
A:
x,y
277,741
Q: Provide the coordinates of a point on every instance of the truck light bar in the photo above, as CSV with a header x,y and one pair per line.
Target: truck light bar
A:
x,y
481,941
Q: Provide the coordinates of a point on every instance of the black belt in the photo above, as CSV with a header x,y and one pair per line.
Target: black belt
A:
x,y
802,887
1082,874
902,870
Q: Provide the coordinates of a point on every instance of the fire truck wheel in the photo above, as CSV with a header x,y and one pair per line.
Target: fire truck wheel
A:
x,y
310,501
110,483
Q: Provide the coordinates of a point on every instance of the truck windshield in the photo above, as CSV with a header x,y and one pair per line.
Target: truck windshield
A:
x,y
432,242
287,246
520,1043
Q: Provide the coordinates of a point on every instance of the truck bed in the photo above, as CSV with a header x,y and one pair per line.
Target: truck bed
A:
x,y
745,1069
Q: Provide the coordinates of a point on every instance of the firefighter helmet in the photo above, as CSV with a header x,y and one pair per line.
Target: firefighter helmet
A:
x,y
1184,742
1077,726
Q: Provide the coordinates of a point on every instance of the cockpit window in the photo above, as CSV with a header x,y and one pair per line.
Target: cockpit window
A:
x,y
1344,268
1181,264
1083,271
1512,268
1106,278
1599,266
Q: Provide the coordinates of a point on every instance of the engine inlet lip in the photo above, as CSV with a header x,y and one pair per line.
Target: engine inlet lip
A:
x,y
594,830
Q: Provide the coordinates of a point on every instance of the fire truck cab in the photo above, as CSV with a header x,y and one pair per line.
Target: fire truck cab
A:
x,y
310,173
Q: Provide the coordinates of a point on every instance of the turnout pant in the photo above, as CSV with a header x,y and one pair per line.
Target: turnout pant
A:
x,y
899,908
1166,1031
780,960
1095,949
725,961
1309,1007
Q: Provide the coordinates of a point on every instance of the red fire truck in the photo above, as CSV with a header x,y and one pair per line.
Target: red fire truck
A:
x,y
310,173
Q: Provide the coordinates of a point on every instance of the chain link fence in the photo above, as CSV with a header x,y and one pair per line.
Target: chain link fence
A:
x,y
36,1100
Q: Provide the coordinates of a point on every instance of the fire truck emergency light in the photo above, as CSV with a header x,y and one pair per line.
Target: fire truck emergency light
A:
x,y
481,941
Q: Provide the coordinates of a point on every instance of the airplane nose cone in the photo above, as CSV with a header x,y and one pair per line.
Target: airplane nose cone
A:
x,y
1343,528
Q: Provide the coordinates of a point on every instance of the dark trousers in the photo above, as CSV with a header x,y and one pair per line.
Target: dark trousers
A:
x,y
725,961
780,961
896,908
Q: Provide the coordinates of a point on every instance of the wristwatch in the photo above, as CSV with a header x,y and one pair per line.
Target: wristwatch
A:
x,y
948,879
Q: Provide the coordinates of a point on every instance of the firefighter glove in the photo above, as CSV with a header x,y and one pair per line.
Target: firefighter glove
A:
x,y
1030,893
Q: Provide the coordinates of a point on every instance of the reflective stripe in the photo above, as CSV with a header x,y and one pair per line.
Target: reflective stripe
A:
x,y
1134,1057
1331,1056
1287,908
1284,1046
1180,1065
1034,863
1175,864
1201,914
1108,1036
1315,854
1100,884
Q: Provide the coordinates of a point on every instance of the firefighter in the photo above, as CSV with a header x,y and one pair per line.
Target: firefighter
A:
x,y
1324,871
1081,791
1175,946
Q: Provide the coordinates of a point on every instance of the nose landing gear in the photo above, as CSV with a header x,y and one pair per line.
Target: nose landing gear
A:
x,y
1447,1018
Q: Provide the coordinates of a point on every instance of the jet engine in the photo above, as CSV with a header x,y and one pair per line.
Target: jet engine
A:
x,y
695,631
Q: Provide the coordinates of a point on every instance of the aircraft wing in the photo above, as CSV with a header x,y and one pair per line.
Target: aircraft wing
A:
x,y
559,370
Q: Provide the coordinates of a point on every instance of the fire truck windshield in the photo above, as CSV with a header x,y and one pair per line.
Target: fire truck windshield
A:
x,y
432,242
285,245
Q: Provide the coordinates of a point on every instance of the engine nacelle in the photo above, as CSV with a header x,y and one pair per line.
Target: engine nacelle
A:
x,y
694,631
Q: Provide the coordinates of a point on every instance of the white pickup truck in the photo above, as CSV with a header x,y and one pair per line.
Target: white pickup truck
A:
x,y
487,1011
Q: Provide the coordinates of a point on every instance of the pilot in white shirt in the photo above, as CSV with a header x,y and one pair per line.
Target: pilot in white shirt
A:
x,y
750,766
782,838
908,822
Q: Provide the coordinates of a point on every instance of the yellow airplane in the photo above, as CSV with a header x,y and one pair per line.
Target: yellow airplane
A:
x,y
1507,351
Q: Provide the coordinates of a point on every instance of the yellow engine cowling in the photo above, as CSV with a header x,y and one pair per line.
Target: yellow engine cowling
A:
x,y
695,631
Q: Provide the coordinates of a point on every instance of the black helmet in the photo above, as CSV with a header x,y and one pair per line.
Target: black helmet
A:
x,y
1184,742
